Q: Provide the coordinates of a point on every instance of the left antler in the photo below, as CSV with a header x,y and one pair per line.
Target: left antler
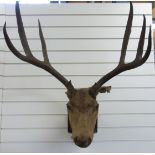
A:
x,y
28,57
122,66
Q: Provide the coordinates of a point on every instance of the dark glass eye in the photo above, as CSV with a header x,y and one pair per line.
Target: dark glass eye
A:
x,y
96,106
69,107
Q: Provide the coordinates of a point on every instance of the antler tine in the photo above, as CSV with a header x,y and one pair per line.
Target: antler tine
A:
x,y
126,36
21,31
141,40
148,51
44,50
11,46
29,57
122,66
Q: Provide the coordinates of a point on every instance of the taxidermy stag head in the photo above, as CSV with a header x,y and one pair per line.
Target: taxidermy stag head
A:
x,y
82,106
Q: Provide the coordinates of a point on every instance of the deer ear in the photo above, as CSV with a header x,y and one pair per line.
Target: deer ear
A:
x,y
105,89
70,93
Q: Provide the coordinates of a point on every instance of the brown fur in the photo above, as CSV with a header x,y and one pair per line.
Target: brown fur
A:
x,y
83,111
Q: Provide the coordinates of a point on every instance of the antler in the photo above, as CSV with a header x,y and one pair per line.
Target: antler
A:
x,y
28,57
122,66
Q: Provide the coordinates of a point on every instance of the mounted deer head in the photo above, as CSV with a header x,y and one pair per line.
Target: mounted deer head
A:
x,y
82,106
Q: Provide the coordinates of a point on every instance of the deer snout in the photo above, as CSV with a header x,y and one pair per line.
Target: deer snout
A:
x,y
82,141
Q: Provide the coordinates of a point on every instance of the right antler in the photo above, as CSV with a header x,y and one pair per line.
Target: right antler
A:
x,y
28,57
122,66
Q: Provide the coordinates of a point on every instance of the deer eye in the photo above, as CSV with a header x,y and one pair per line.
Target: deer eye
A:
x,y
69,107
96,107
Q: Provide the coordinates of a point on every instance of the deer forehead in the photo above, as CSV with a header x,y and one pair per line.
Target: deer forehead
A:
x,y
82,96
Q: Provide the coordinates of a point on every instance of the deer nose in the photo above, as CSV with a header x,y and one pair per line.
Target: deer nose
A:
x,y
82,141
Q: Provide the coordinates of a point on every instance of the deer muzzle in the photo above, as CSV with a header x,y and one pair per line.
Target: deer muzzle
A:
x,y
82,141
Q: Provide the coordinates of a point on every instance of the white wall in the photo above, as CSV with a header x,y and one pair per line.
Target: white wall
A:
x,y
84,42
